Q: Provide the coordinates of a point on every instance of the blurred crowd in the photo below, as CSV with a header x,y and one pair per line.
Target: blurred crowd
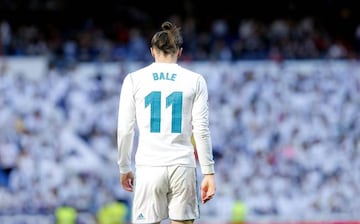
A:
x,y
288,138
284,109
218,39
285,136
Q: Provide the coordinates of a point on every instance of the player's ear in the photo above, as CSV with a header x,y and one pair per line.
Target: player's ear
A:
x,y
179,52
152,51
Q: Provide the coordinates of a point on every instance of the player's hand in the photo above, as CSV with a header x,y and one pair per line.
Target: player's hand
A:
x,y
208,188
127,181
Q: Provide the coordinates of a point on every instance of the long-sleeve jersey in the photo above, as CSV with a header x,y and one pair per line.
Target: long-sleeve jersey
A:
x,y
168,103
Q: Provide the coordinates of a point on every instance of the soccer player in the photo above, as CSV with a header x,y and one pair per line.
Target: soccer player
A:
x,y
168,103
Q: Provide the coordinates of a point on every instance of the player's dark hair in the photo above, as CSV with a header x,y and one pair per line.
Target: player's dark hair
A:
x,y
169,39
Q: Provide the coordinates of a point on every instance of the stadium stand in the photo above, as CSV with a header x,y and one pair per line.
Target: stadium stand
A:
x,y
284,100
286,138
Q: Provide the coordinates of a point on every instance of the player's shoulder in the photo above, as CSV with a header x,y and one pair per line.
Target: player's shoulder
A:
x,y
140,70
191,73
137,73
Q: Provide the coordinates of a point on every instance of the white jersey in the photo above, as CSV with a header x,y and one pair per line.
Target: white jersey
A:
x,y
168,103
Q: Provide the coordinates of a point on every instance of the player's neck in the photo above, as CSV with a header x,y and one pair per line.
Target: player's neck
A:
x,y
166,59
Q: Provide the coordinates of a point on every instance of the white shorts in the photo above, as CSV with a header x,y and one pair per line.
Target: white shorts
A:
x,y
165,192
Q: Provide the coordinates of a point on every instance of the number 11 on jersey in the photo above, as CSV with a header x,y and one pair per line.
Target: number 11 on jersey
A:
x,y
175,100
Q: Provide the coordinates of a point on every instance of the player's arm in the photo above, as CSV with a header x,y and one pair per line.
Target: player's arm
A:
x,y
201,130
202,140
126,126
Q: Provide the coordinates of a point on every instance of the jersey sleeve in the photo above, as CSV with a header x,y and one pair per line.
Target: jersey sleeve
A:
x,y
126,125
201,131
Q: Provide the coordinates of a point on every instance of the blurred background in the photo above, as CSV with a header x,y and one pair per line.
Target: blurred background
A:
x,y
284,88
